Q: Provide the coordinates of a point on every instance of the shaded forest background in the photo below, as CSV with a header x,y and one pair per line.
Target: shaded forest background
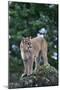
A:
x,y
26,19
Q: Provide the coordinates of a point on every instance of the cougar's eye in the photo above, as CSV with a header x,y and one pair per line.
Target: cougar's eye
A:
x,y
29,43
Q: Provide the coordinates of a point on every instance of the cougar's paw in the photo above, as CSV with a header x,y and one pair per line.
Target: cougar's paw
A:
x,y
24,74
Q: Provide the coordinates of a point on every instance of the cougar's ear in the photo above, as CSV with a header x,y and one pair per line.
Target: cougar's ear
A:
x,y
23,39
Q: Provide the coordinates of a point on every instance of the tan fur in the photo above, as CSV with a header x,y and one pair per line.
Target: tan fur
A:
x,y
39,48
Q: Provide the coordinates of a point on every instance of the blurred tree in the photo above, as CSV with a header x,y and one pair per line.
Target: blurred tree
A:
x,y
26,19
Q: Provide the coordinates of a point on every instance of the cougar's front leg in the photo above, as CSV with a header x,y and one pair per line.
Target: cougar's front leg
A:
x,y
30,67
25,67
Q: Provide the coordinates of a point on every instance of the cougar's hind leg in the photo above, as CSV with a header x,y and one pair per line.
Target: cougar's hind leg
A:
x,y
44,55
37,62
44,52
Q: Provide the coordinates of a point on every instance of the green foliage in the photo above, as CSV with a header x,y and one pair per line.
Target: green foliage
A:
x,y
26,19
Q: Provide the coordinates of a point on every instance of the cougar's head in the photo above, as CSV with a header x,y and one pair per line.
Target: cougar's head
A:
x,y
26,46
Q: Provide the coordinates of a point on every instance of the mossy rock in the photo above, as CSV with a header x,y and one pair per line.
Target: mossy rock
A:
x,y
45,75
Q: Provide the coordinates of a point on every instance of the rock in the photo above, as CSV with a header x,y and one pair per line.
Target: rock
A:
x,y
44,76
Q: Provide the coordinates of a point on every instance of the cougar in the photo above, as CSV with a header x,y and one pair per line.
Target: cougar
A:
x,y
31,49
